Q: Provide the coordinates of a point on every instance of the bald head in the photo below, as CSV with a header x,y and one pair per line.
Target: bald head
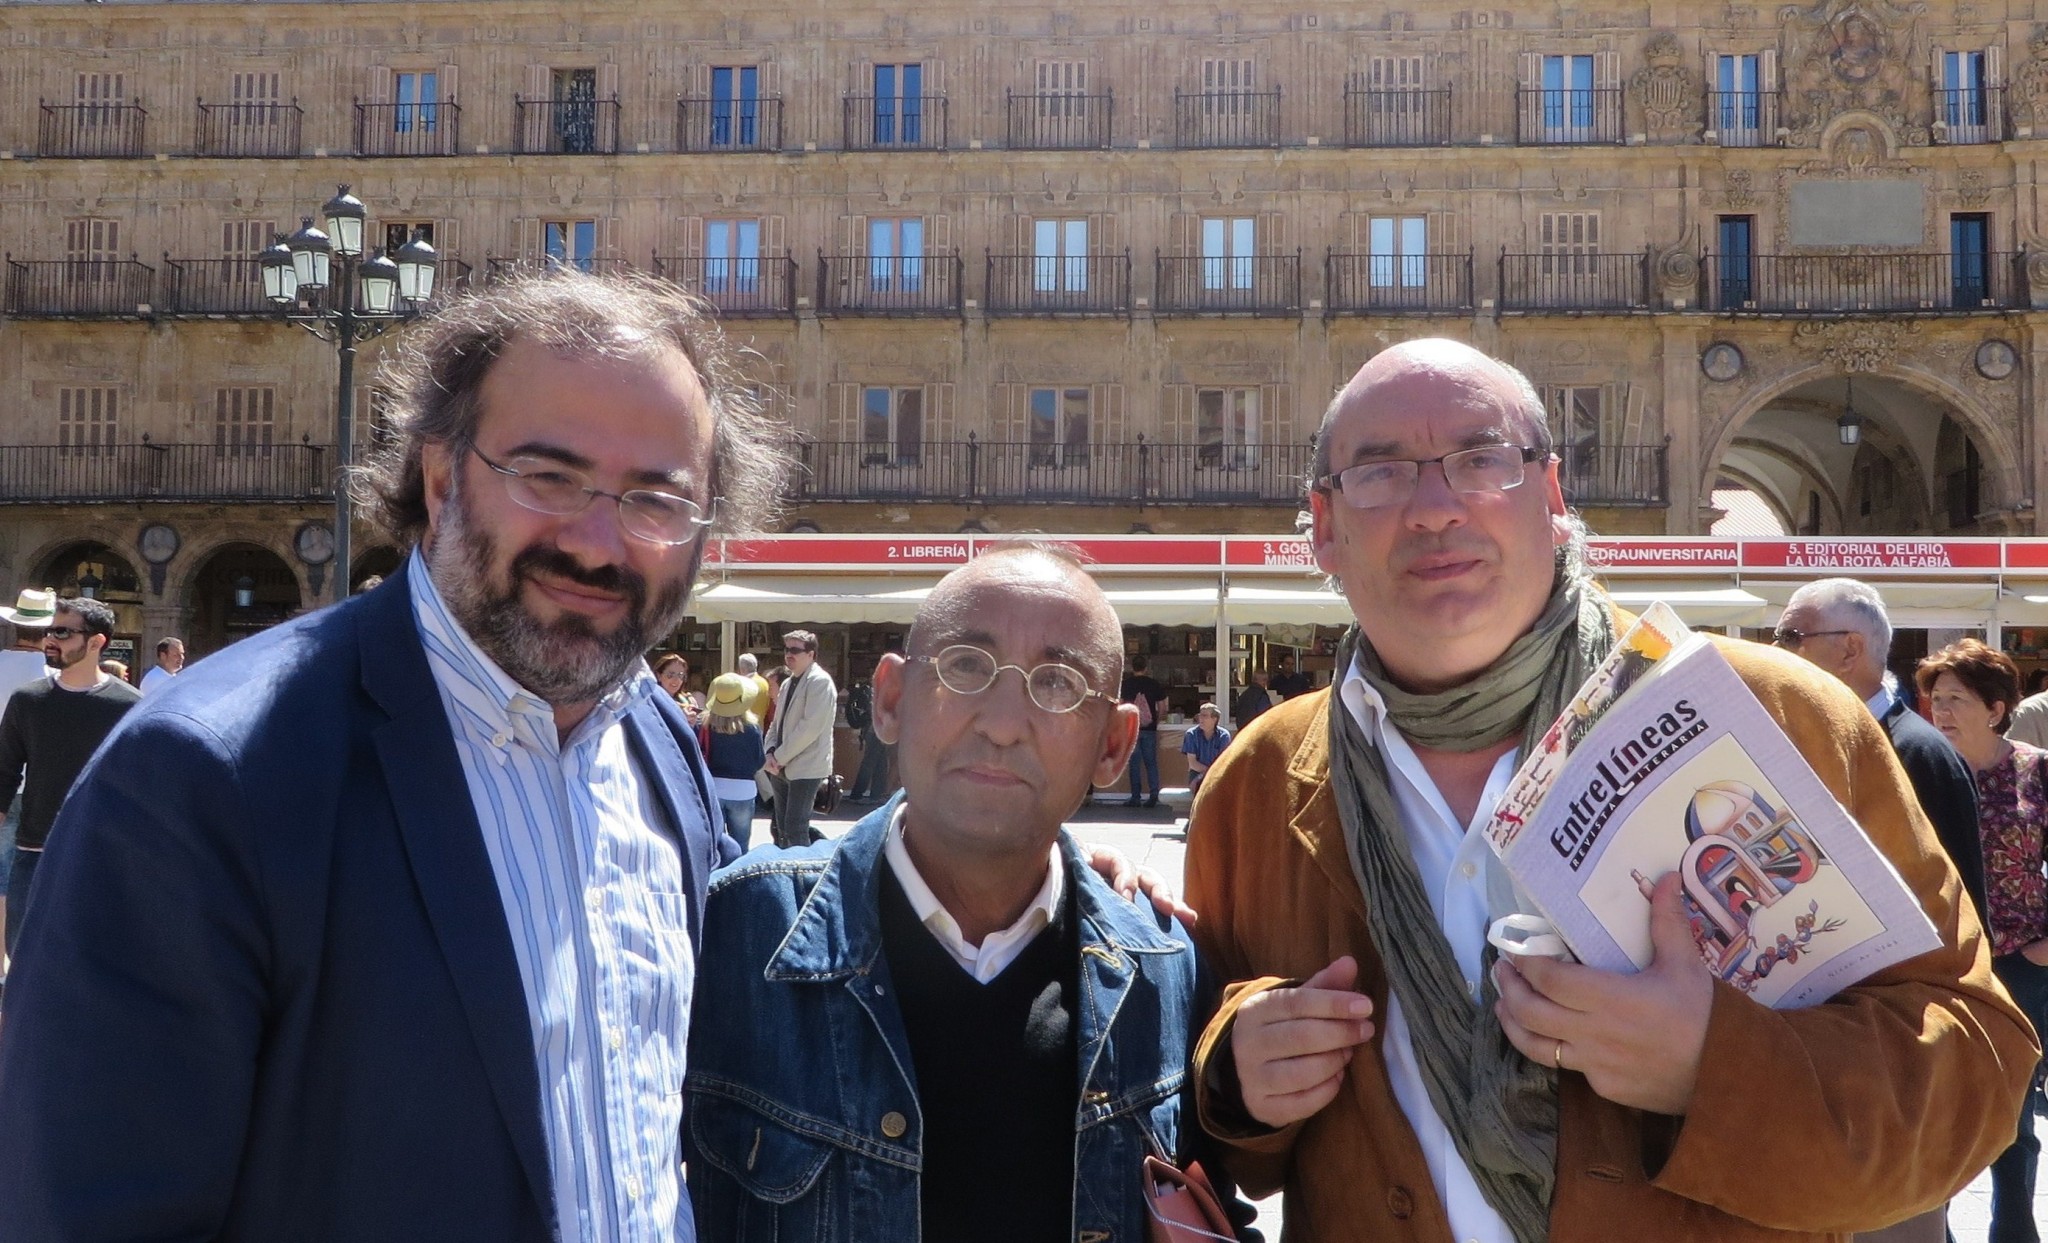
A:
x,y
1481,381
959,608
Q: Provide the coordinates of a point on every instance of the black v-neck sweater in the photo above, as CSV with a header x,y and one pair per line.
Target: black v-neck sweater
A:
x,y
996,1079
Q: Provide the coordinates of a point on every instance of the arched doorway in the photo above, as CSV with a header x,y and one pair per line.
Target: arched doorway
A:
x,y
1855,454
239,590
92,569
380,562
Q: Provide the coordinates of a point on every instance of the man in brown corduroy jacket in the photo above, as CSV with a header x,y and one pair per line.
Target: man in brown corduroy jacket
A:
x,y
1684,1112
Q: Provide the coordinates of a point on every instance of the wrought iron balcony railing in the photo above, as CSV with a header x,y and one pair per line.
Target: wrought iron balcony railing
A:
x,y
52,474
1396,118
763,285
1397,284
565,126
215,287
250,130
409,129
1568,117
1571,281
1218,284
890,284
710,124
1055,122
1614,475
1969,115
234,287
1953,283
80,289
893,123
98,131
1226,118
1742,118
1046,472
1059,284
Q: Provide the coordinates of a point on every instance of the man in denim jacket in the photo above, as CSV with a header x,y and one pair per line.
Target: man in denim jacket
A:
x,y
947,1027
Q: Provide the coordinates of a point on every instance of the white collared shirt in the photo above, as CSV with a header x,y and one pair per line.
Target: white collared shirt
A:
x,y
998,949
591,881
1455,865
1887,695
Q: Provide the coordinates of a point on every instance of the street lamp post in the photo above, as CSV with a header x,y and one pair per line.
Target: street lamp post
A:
x,y
299,278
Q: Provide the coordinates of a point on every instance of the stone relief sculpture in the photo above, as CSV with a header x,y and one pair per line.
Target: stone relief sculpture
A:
x,y
1665,93
1854,56
2029,102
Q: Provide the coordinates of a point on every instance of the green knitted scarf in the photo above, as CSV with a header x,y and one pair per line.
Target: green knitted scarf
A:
x,y
1500,1108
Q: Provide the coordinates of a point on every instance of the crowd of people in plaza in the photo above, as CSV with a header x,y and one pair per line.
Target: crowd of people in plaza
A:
x,y
427,915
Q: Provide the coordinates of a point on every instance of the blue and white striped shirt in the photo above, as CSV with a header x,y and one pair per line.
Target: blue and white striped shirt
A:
x,y
593,891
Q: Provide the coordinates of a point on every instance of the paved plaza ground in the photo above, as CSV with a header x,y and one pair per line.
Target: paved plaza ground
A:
x,y
1150,838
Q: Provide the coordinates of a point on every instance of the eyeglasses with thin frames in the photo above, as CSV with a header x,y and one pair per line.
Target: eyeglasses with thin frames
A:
x,y
63,634
1787,637
1481,469
968,670
546,486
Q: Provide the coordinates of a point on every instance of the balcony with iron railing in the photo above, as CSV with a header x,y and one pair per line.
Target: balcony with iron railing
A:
x,y
865,284
503,267
750,286
1946,283
1396,118
712,124
1098,284
249,131
1546,117
1221,119
1742,118
95,131
210,473
893,122
1615,476
1055,121
233,288
1969,115
1049,472
1228,284
1371,284
408,129
565,126
1570,282
80,289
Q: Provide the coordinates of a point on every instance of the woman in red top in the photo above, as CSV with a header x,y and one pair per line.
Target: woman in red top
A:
x,y
1970,690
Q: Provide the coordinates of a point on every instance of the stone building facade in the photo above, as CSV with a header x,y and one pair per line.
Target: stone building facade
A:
x,y
1010,265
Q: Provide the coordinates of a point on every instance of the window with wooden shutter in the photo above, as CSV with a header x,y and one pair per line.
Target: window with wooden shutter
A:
x,y
92,249
1568,243
1276,414
255,97
842,412
99,97
1177,417
1060,427
245,238
244,421
938,406
1111,426
892,424
88,420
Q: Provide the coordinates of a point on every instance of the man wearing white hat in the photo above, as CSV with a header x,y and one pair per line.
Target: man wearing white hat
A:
x,y
33,610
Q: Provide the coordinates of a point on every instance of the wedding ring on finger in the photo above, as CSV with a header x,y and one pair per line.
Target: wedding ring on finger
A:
x,y
1557,1056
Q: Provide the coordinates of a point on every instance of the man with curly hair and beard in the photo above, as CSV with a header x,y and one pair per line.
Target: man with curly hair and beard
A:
x,y
383,924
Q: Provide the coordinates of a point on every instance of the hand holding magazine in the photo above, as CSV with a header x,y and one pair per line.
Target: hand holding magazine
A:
x,y
1665,761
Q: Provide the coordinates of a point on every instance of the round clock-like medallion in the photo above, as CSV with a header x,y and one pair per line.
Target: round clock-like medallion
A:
x,y
1721,361
314,543
1997,360
159,543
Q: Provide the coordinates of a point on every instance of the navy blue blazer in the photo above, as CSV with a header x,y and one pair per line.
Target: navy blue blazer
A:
x,y
266,989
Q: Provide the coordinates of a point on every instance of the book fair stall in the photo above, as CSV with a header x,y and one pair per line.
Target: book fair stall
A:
x,y
1206,609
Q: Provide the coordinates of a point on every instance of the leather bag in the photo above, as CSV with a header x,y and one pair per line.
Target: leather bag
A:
x,y
1183,1205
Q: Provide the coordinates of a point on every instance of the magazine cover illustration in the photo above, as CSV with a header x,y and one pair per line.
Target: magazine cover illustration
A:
x,y
1758,888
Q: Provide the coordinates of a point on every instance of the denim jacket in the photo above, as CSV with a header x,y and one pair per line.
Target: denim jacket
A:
x,y
802,1118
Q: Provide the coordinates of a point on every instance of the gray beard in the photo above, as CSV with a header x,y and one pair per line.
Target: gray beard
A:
x,y
569,661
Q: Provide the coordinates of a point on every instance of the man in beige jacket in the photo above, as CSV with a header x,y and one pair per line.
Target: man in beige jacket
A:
x,y
800,738
1662,1105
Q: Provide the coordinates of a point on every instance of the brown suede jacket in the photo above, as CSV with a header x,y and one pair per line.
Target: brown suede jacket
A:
x,y
1806,1124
